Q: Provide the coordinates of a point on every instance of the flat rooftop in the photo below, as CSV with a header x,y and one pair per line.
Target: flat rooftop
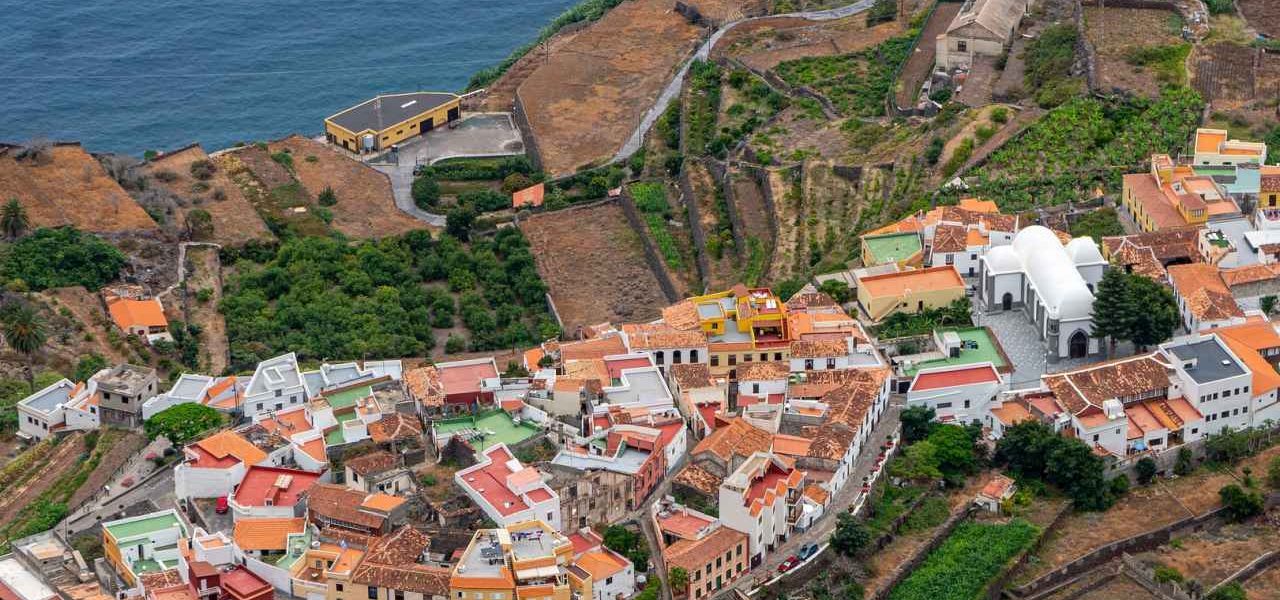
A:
x,y
386,110
189,386
22,582
1213,363
276,373
490,428
978,345
465,378
49,398
347,398
143,525
956,377
893,247
485,558
918,280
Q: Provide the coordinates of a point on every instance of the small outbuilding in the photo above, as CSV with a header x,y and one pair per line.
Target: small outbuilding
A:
x,y
377,124
999,489
982,28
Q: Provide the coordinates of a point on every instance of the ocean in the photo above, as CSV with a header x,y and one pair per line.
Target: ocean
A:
x,y
135,75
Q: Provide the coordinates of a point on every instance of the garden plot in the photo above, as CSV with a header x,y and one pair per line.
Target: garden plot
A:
x,y
856,83
1138,50
764,43
1212,555
594,265
1263,15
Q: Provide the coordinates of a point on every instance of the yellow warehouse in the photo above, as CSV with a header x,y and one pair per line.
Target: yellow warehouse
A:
x,y
375,125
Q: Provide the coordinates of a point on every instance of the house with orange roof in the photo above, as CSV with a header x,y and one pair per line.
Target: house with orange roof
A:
x,y
508,491
143,318
267,538
665,344
957,393
713,555
1214,148
998,489
742,325
529,559
1174,196
214,466
271,492
612,575
762,498
946,235
909,292
1204,300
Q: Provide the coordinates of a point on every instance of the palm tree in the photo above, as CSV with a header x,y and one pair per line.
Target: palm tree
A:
x,y
24,331
13,219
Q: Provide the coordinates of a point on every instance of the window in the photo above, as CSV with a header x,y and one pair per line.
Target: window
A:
x,y
944,405
719,562
338,586
278,394
1195,430
966,404
973,256
373,592
951,259
764,356
608,580
755,388
1226,393
279,406
746,358
831,363
733,359
808,364
1095,437
399,595
715,360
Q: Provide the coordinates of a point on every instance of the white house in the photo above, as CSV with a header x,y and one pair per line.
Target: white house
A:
x,y
758,498
276,383
213,467
957,393
1213,379
507,491
63,406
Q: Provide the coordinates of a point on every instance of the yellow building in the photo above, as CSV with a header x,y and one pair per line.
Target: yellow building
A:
x,y
377,124
909,291
143,544
742,325
325,571
1172,195
526,561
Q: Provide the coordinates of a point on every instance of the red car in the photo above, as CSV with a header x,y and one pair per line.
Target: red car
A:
x,y
221,506
788,564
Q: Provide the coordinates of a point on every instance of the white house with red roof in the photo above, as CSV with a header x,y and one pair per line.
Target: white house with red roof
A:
x,y
762,498
271,492
612,575
508,491
960,393
214,466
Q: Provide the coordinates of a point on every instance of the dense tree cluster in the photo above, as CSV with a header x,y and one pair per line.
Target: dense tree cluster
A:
x,y
61,257
1134,308
1033,449
324,298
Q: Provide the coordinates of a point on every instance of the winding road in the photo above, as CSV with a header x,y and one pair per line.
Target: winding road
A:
x,y
636,140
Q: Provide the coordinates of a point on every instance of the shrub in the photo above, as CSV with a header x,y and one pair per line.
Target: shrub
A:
x,y
934,151
1230,591
1167,574
182,423
203,169
62,257
485,199
455,344
1146,469
1240,503
515,182
426,193
1000,115
200,224
1049,58
327,197
284,158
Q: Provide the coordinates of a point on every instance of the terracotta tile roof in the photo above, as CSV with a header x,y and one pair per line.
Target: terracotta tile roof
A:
x,y
129,313
228,444
790,445
1247,341
819,348
382,502
997,487
395,426
1012,413
1250,274
424,385
1206,294
1090,386
601,564
690,376
738,438
392,563
818,494
692,555
806,300
658,336
816,384
597,348
266,534
830,440
949,238
160,579
373,462
763,371
341,504
699,479
682,315
1270,183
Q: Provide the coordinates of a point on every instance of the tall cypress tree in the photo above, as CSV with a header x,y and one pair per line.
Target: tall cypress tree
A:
x,y
1113,308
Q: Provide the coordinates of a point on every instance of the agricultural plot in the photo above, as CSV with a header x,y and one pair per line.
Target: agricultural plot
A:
x,y
713,219
1263,15
921,62
856,83
210,189
593,263
1212,555
61,184
970,557
363,207
1138,50
668,234
764,43
588,96
200,306
280,200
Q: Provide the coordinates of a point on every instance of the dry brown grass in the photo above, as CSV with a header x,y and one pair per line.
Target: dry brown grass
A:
x,y
1210,556
86,308
589,95
67,186
234,220
764,43
1114,32
366,207
204,275
1263,15
593,263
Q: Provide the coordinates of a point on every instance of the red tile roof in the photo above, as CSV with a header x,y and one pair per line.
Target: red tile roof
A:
x,y
282,486
955,378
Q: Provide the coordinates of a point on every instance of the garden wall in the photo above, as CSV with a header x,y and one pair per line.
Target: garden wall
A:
x,y
526,132
695,225
911,564
651,255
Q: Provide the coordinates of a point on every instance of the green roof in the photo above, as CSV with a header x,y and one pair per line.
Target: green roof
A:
x,y
988,350
347,398
142,526
893,247
335,437
495,426
298,541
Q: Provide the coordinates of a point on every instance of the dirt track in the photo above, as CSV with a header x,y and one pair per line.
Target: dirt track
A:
x,y
764,43
587,98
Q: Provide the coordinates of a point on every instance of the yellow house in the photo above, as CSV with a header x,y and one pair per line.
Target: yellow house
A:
x,y
743,325
377,124
143,544
1269,189
909,291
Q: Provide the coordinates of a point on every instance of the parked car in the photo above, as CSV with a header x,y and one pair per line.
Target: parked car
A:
x,y
788,564
220,506
806,551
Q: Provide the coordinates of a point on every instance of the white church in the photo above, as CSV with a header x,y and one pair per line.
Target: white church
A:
x,y
1051,283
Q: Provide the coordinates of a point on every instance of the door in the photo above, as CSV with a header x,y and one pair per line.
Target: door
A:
x,y
454,113
427,125
1006,302
1078,345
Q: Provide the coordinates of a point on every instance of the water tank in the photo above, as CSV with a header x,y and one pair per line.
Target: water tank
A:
x,y
368,142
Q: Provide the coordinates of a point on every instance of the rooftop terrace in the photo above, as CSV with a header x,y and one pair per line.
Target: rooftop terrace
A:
x,y
143,525
978,345
487,429
894,247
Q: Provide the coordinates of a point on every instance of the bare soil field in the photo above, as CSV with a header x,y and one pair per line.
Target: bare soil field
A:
x,y
724,11
588,96
1235,77
594,265
920,64
271,190
748,198
1263,15
204,274
1120,588
1212,555
1115,32
366,207
764,43
1265,585
234,220
67,186
62,460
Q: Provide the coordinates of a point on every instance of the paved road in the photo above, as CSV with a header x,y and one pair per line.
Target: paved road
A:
x,y
158,489
669,93
848,496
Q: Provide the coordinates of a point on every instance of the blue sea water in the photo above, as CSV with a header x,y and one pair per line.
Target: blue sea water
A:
x,y
131,75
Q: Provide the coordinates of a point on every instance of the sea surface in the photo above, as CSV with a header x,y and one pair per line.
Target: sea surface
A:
x,y
132,75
